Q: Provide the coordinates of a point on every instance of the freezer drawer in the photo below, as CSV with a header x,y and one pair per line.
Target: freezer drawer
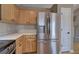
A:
x,y
43,47
53,46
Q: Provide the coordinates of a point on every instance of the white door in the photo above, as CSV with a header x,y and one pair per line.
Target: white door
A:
x,y
65,29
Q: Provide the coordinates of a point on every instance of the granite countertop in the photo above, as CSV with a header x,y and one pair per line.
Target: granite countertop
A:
x,y
14,36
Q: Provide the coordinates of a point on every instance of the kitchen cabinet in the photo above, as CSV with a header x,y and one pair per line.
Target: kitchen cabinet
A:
x,y
17,12
26,44
30,44
33,16
19,45
12,14
23,17
27,16
8,12
0,11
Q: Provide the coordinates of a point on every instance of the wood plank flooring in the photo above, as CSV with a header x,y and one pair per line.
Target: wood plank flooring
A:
x,y
76,48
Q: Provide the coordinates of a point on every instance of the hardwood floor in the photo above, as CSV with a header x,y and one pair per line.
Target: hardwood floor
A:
x,y
76,48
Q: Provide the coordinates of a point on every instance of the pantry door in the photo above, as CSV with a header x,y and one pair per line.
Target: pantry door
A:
x,y
65,29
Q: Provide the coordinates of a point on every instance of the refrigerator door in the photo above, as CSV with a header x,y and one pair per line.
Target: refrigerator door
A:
x,y
52,26
41,19
53,48
43,47
41,36
41,29
41,23
53,33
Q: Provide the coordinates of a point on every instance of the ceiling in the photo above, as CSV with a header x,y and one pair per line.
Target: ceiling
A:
x,y
35,5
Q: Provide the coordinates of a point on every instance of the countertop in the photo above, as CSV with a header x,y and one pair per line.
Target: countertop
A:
x,y
14,36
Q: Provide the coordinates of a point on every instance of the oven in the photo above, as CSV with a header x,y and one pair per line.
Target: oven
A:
x,y
7,46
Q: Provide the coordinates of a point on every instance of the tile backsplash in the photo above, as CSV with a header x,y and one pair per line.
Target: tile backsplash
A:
x,y
26,28
6,28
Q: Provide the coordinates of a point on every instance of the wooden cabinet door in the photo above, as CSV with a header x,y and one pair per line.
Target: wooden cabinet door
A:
x,y
25,44
24,16
8,12
17,12
19,49
32,16
19,45
32,45
0,11
27,16
29,45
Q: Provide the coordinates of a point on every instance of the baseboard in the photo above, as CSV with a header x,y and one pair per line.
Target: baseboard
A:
x,y
71,51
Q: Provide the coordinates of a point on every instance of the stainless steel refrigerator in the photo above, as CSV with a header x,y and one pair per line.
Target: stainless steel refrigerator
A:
x,y
46,33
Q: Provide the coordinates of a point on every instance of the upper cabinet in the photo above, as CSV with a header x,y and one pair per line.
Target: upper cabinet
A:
x,y
27,16
12,14
0,11
23,16
8,12
33,16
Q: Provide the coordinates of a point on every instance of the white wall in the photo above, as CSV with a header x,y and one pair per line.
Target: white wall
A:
x,y
6,28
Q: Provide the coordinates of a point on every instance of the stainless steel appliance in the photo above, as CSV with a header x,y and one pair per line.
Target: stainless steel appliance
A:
x,y
42,41
53,33
46,37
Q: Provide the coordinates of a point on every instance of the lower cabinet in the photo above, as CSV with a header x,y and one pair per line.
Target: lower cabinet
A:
x,y
19,45
30,46
26,44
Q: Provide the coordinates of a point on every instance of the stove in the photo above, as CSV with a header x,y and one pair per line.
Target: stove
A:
x,y
7,46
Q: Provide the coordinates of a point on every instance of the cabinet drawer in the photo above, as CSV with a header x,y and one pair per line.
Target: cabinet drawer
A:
x,y
31,36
